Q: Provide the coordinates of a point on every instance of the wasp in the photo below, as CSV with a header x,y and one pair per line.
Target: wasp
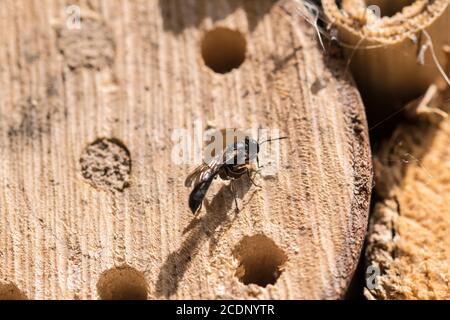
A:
x,y
230,164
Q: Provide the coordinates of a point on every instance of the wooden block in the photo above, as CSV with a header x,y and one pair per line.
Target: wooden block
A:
x,y
394,48
408,243
92,204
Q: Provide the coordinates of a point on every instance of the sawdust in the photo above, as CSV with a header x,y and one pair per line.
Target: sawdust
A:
x,y
106,164
409,239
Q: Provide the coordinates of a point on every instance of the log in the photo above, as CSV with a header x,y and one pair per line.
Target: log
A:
x,y
408,242
92,203
394,48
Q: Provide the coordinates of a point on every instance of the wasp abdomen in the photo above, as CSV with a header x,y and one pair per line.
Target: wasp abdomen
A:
x,y
198,193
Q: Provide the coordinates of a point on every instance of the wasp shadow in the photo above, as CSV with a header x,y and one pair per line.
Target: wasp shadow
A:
x,y
199,231
181,14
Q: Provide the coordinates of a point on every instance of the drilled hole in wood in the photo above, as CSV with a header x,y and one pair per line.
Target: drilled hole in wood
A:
x,y
122,283
261,261
388,8
9,291
223,49
106,164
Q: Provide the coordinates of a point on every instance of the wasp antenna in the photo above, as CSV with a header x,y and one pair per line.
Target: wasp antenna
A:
x,y
269,140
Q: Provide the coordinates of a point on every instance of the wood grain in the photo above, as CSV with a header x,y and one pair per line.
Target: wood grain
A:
x,y
119,88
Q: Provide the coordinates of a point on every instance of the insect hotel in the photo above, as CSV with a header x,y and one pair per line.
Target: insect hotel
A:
x,y
96,95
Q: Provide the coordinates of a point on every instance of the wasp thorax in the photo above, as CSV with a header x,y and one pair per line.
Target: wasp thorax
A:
x,y
218,141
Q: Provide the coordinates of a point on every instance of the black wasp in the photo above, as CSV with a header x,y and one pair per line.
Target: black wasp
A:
x,y
230,164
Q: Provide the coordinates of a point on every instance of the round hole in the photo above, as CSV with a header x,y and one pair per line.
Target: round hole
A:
x,y
122,283
261,261
388,8
9,291
223,49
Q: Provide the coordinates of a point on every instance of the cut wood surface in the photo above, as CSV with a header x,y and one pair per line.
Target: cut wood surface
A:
x,y
408,237
91,203
394,48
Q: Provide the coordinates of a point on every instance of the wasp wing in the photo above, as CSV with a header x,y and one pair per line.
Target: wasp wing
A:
x,y
204,174
197,175
201,178
205,170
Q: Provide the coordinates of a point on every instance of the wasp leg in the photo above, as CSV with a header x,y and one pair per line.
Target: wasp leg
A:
x,y
234,194
257,164
258,167
251,179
